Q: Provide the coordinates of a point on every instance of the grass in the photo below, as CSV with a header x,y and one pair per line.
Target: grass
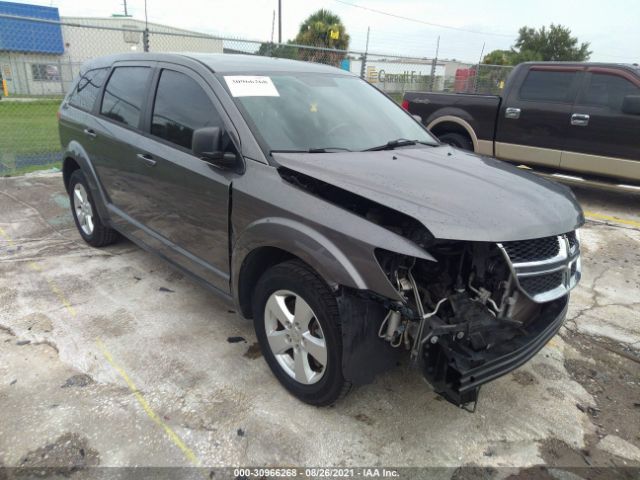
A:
x,y
27,128
31,168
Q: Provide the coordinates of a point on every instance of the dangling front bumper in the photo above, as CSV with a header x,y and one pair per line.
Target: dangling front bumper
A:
x,y
457,372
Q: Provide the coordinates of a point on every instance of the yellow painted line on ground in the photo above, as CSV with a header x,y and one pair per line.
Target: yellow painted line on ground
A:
x,y
4,235
611,218
57,291
173,436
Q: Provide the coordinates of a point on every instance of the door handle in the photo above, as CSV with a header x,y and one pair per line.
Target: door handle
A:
x,y
512,112
89,133
146,158
580,119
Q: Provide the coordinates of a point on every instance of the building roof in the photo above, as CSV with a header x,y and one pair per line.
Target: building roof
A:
x,y
29,36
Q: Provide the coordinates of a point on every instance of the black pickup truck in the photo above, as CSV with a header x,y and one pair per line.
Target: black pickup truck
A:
x,y
579,122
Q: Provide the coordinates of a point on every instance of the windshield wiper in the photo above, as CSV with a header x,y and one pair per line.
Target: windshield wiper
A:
x,y
400,142
314,150
328,150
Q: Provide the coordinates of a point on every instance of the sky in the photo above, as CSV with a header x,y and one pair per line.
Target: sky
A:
x,y
475,26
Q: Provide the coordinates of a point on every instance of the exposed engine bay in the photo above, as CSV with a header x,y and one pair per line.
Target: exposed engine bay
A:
x,y
458,311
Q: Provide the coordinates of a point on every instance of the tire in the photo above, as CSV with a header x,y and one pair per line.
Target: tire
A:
x,y
321,385
457,140
85,214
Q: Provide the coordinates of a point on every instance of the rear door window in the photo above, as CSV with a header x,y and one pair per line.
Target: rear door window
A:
x,y
86,92
607,90
181,106
124,95
547,86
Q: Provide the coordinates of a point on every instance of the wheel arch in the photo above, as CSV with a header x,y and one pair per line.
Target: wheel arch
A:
x,y
69,165
453,124
271,241
76,158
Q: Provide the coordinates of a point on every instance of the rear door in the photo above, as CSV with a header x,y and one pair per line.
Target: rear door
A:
x,y
602,139
534,118
116,135
188,197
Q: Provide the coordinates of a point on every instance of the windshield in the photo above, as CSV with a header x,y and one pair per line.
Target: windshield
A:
x,y
303,112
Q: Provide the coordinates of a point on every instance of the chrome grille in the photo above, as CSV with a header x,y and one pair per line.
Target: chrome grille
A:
x,y
544,268
541,283
532,250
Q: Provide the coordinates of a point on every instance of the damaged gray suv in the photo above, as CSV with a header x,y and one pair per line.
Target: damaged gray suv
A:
x,y
324,212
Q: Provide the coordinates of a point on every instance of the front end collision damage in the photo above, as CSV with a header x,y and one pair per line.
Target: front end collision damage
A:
x,y
461,310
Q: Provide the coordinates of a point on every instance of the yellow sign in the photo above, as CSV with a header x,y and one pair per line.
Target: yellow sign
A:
x,y
335,34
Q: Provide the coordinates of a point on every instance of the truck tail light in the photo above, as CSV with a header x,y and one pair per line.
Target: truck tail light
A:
x,y
405,105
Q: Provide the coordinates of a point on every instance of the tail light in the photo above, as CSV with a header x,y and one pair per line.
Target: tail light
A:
x,y
405,104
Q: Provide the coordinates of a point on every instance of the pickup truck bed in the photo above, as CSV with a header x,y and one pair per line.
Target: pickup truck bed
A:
x,y
461,113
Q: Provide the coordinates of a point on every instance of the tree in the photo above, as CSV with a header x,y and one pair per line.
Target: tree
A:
x,y
280,51
322,29
546,44
499,57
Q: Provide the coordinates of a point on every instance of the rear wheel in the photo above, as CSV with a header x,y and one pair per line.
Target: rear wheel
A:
x,y
457,140
83,207
298,327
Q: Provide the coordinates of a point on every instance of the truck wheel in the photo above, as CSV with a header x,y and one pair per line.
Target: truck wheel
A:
x,y
298,327
83,207
457,140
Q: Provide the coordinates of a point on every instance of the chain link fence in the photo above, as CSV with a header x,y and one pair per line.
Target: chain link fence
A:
x,y
40,58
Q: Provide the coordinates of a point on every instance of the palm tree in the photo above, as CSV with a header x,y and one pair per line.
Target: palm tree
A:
x,y
323,29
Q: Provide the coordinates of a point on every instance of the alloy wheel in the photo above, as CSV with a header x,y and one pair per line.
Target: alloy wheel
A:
x,y
295,337
83,209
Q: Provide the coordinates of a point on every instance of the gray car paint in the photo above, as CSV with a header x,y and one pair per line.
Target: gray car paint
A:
x,y
455,194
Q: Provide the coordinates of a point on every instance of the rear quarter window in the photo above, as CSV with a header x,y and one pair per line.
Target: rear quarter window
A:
x,y
85,94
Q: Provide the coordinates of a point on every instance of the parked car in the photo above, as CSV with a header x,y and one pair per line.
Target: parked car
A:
x,y
579,121
325,213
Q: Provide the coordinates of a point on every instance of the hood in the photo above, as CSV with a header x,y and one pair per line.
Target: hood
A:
x,y
457,195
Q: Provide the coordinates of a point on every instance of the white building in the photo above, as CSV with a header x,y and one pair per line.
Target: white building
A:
x,y
40,70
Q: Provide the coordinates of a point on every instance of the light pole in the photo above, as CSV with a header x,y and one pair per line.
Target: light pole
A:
x,y
279,21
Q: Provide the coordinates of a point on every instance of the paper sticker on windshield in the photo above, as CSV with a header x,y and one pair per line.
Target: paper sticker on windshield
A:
x,y
251,86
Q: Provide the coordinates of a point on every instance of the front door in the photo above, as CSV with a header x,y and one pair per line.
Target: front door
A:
x,y
534,118
114,136
602,139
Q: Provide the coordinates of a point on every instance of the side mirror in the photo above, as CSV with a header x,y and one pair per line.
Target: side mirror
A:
x,y
631,104
206,144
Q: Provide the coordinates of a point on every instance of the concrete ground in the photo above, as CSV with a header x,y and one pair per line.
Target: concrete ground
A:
x,y
109,357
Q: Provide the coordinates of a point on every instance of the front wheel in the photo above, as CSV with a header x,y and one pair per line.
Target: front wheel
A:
x,y
298,327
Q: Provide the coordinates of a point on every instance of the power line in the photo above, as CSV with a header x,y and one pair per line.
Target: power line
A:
x,y
416,20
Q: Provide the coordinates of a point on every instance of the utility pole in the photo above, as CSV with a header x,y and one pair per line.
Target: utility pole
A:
x,y
475,82
279,21
273,24
126,13
433,64
145,34
363,65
